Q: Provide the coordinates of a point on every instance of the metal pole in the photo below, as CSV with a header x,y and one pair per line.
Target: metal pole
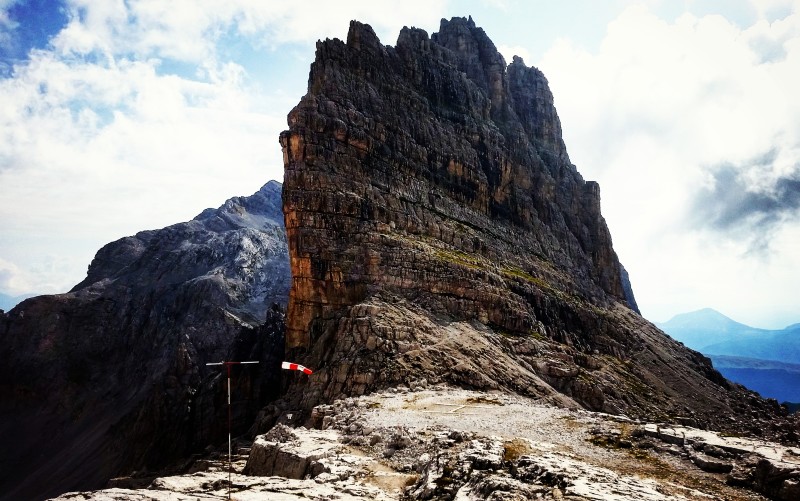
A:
x,y
230,461
228,370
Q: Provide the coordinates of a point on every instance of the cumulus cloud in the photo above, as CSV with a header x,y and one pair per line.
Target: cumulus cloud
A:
x,y
750,199
188,30
8,272
690,126
140,114
7,27
94,152
771,10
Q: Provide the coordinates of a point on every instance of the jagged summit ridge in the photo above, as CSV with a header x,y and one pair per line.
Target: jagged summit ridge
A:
x,y
442,121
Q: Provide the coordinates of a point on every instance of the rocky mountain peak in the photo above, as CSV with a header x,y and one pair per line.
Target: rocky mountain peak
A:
x,y
111,377
437,230
466,131
437,236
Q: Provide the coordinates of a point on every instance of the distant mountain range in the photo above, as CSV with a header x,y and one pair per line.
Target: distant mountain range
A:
x,y
712,333
767,361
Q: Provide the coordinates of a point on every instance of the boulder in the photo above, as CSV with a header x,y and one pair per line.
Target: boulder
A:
x,y
711,464
291,453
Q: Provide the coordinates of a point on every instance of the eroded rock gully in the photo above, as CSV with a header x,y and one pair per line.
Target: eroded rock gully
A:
x,y
438,229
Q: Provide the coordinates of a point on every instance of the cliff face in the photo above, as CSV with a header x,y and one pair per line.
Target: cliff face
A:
x,y
434,143
437,230
111,376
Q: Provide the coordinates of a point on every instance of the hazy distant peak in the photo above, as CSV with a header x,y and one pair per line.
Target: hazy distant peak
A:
x,y
706,318
712,333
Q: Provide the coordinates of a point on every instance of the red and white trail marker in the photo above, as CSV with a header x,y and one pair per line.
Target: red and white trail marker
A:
x,y
295,367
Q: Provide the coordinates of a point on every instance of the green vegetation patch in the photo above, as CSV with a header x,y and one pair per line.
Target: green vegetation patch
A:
x,y
517,272
460,258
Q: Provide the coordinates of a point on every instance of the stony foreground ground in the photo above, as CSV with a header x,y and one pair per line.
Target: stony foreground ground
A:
x,y
444,443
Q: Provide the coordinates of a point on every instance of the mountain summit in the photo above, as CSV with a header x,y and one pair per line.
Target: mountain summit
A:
x,y
438,232
111,376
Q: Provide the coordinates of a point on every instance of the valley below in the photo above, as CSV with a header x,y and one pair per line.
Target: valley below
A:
x,y
766,361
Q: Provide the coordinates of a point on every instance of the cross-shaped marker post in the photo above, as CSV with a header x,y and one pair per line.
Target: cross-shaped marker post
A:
x,y
228,367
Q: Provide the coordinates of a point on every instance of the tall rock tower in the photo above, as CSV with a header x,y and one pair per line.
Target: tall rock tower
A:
x,y
437,230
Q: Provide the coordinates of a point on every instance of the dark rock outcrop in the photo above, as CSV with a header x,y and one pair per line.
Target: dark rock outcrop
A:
x,y
628,289
437,229
111,376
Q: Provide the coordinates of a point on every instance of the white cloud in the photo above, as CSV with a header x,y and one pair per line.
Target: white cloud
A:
x,y
7,25
509,51
188,30
5,21
775,9
291,24
9,277
98,140
656,115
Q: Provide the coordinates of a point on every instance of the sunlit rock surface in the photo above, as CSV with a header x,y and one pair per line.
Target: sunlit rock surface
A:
x,y
440,443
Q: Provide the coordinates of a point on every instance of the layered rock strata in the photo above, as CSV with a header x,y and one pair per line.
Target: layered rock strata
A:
x,y
111,376
437,229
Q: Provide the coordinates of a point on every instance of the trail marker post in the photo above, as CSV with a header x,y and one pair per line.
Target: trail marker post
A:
x,y
228,369
227,365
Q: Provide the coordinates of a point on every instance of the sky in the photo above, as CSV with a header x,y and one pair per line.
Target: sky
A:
x,y
121,116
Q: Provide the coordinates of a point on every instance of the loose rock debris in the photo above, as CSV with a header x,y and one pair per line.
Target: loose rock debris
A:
x,y
444,443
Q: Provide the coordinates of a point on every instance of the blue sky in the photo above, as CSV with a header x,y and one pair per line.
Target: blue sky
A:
x,y
120,116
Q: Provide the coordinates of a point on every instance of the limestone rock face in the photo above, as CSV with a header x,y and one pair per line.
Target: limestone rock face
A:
x,y
437,230
111,376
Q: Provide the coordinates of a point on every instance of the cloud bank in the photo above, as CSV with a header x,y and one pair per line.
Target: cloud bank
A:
x,y
752,200
691,128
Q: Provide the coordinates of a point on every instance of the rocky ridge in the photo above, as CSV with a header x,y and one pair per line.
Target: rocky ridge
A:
x,y
438,229
111,376
439,443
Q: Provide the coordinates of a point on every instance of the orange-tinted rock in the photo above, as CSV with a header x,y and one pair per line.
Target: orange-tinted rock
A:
x,y
431,167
